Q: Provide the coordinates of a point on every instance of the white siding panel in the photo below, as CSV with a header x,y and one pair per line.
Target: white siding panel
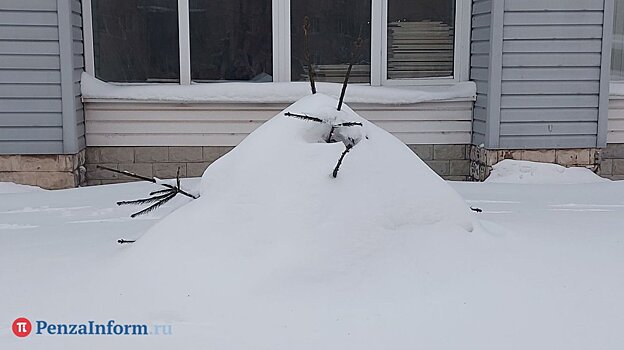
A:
x,y
157,124
615,132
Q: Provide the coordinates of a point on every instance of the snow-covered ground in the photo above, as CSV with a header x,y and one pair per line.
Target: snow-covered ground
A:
x,y
279,254
546,272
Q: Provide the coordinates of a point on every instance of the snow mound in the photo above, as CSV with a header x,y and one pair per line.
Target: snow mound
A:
x,y
525,172
10,187
275,233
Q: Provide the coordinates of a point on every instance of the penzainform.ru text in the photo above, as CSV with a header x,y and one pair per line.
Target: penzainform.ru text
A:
x,y
22,327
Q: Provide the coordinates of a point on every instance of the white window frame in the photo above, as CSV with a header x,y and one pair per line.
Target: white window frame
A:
x,y
281,44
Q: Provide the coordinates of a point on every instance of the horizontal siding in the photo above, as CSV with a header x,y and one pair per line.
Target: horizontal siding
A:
x,y
551,73
28,5
615,132
479,65
142,124
30,92
78,66
31,147
13,47
552,46
549,114
31,119
534,142
23,32
31,133
548,129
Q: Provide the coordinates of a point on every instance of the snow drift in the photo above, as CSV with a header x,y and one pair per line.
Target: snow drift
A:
x,y
274,232
525,172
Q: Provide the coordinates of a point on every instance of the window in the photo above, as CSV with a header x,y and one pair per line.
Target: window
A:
x,y
231,40
404,41
617,50
136,40
420,39
334,26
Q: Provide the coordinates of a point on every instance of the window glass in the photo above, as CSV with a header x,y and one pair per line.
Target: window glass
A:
x,y
231,40
334,27
136,40
617,50
421,37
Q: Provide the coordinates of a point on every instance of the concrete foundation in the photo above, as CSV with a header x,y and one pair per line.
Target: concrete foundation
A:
x,y
46,171
449,161
482,159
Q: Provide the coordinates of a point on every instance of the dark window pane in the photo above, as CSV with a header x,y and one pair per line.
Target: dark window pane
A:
x,y
421,36
334,26
136,40
617,51
231,40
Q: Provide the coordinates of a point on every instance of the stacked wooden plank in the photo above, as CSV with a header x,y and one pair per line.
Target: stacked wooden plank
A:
x,y
334,73
420,50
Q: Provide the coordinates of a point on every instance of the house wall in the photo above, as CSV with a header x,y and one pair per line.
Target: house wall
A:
x,y
543,83
154,139
480,54
40,108
31,120
551,72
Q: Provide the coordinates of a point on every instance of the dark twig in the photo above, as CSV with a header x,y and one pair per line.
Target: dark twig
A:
x,y
331,134
147,200
123,241
348,124
305,117
306,30
152,180
347,149
160,191
154,206
356,49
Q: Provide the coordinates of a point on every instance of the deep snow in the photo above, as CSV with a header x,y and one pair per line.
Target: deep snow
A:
x,y
277,254
521,171
546,272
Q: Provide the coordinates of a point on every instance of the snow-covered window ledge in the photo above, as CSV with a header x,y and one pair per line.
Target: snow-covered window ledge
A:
x,y
222,114
95,90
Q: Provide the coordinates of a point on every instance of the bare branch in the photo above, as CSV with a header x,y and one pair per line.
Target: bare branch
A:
x,y
347,149
354,52
154,206
306,30
305,117
152,180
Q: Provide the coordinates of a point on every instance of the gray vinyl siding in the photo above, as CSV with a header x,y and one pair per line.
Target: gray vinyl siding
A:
x,y
551,73
78,67
479,66
551,62
32,115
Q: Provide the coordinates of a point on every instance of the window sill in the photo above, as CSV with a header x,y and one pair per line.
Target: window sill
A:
x,y
94,90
